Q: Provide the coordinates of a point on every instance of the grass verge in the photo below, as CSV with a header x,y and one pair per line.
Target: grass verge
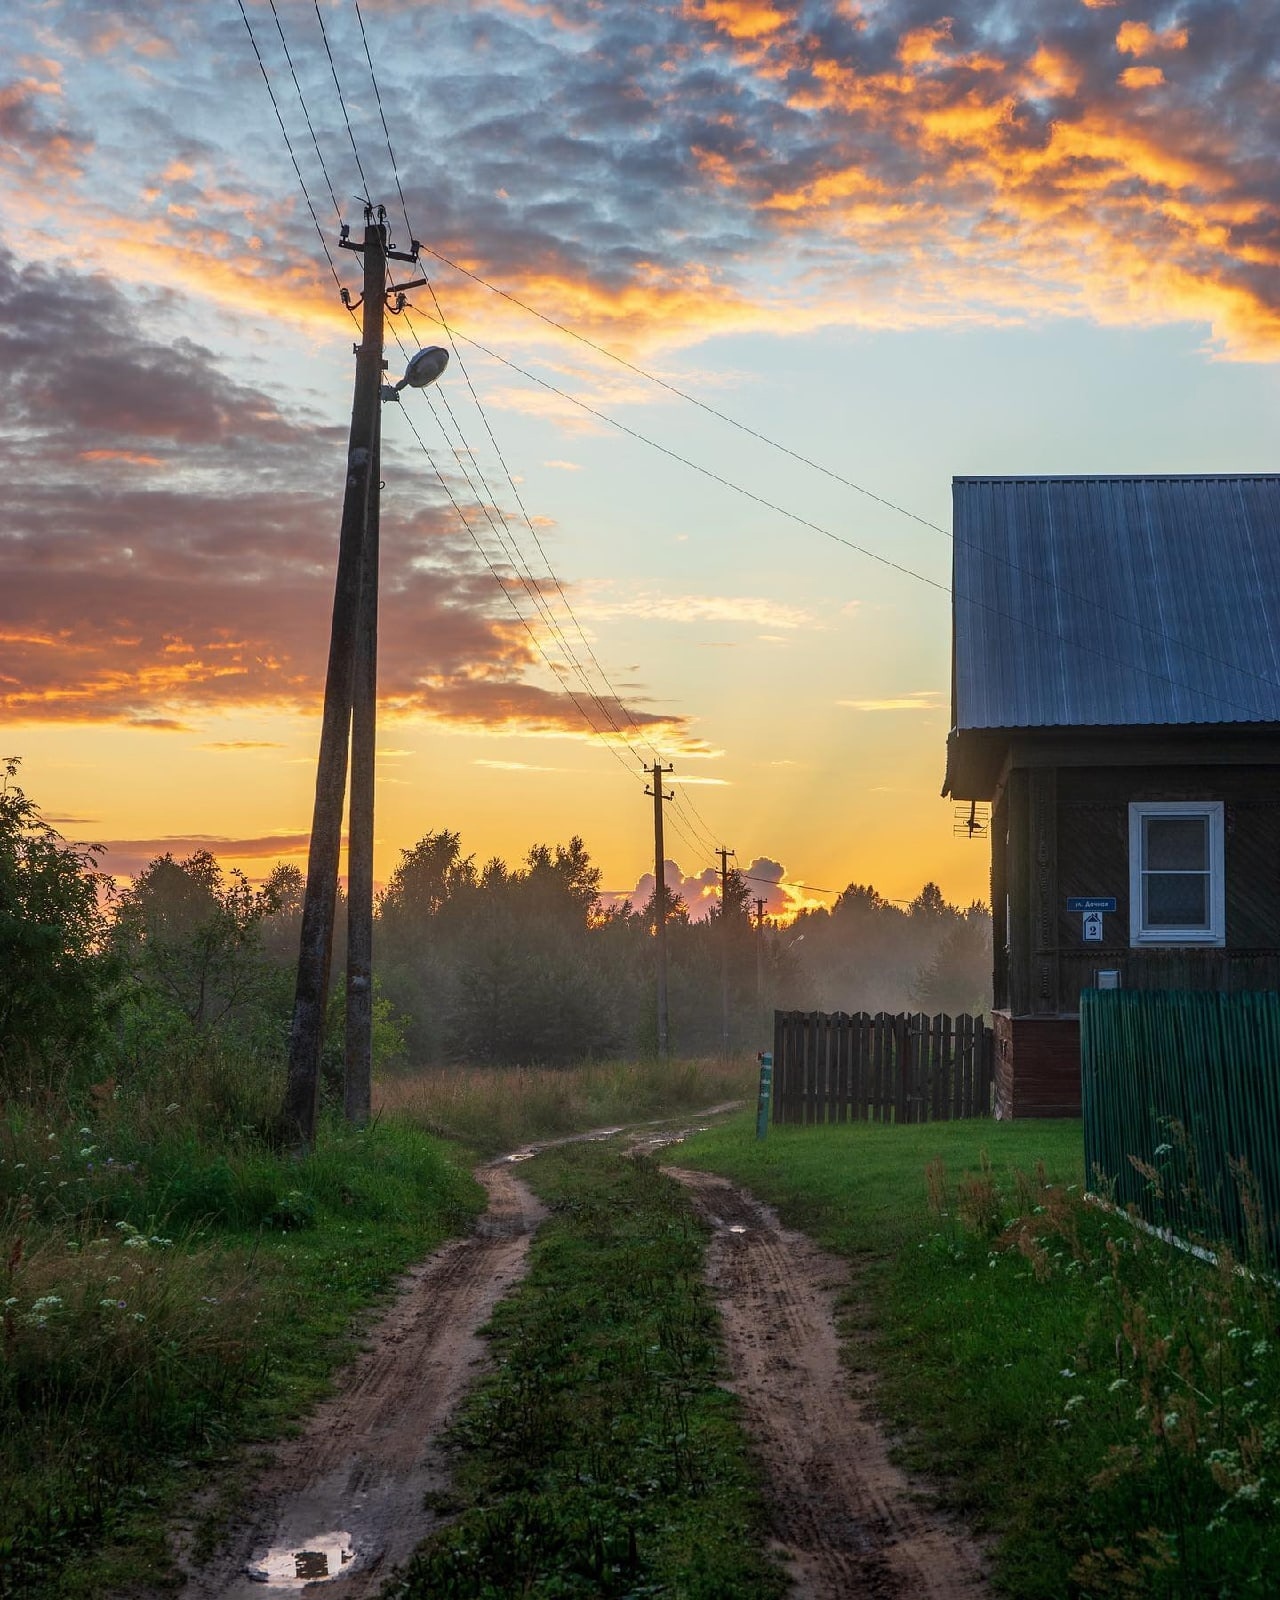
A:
x,y
1107,1406
600,1458
164,1301
494,1109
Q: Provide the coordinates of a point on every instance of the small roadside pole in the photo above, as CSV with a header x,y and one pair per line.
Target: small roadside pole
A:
x,y
766,1094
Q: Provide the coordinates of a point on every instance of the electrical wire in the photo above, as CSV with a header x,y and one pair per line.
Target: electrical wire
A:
x,y
288,143
720,415
305,112
1044,579
461,455
395,168
872,555
614,697
333,67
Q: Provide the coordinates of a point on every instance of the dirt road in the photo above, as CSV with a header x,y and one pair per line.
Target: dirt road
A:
x,y
848,1523
343,1502
346,1496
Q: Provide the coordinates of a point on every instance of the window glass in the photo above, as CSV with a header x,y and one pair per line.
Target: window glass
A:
x,y
1176,879
1176,844
1175,900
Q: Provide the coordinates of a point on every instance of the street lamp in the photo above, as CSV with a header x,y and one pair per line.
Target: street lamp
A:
x,y
423,370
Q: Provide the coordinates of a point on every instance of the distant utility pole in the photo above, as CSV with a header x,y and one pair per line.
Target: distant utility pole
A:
x,y
353,635
724,948
759,904
660,901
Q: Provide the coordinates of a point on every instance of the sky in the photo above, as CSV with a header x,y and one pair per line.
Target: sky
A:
x,y
734,289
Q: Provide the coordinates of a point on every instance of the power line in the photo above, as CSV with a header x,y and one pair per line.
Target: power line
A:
x,y
303,103
828,472
488,501
523,620
615,697
530,585
687,828
302,182
364,182
872,555
683,394
512,553
373,77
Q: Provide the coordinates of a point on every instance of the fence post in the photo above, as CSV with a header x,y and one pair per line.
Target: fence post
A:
x,y
766,1094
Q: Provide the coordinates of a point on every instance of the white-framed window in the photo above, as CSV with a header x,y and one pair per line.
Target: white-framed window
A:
x,y
1177,885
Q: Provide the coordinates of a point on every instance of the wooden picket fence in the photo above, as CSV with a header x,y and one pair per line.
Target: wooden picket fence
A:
x,y
837,1067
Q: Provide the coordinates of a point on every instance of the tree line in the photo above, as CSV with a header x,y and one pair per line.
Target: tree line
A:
x,y
491,963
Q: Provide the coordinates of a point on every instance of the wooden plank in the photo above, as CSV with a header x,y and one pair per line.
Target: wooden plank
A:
x,y
954,1083
964,1063
939,1084
1019,889
844,1046
879,1049
901,1052
806,1057
1042,823
920,1068
861,1059
781,1046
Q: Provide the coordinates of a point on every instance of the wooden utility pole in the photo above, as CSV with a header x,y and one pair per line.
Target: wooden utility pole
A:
x,y
354,606
724,948
358,1052
660,902
759,904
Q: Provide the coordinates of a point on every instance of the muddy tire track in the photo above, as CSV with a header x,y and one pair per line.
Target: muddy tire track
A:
x,y
368,1456
847,1522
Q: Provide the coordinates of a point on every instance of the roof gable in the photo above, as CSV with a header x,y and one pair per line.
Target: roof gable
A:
x,y
1116,601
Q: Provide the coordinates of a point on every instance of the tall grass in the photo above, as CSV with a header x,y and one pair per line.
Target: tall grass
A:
x,y
493,1109
163,1298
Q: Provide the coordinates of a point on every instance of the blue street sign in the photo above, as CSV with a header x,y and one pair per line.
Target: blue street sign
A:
x,y
1097,902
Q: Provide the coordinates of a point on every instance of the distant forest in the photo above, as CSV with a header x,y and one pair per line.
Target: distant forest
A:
x,y
482,964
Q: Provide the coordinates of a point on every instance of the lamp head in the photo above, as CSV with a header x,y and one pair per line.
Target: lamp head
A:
x,y
424,368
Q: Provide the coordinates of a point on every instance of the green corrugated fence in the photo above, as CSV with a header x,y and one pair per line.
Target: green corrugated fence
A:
x,y
1187,1084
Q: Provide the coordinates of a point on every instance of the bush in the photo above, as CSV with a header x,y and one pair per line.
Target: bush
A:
x,y
54,977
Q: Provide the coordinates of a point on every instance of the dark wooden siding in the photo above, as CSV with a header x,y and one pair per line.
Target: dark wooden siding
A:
x,y
1073,839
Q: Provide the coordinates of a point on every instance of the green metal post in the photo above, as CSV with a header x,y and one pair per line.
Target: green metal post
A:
x,y
766,1094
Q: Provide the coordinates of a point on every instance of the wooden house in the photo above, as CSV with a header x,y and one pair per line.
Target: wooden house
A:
x,y
1116,702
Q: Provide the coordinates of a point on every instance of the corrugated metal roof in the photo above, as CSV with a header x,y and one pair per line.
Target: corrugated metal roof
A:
x,y
1114,601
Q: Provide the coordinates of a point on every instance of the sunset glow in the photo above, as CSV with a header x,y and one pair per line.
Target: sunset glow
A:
x,y
900,245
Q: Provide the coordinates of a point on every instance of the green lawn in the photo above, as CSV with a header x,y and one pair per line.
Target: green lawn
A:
x,y
1105,1405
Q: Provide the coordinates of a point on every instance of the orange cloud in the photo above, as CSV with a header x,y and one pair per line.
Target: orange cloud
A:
x,y
1139,39
1142,77
740,19
1053,71
132,457
923,45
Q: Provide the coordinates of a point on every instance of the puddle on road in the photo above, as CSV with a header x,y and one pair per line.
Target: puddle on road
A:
x,y
327,1555
521,1155
736,1227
